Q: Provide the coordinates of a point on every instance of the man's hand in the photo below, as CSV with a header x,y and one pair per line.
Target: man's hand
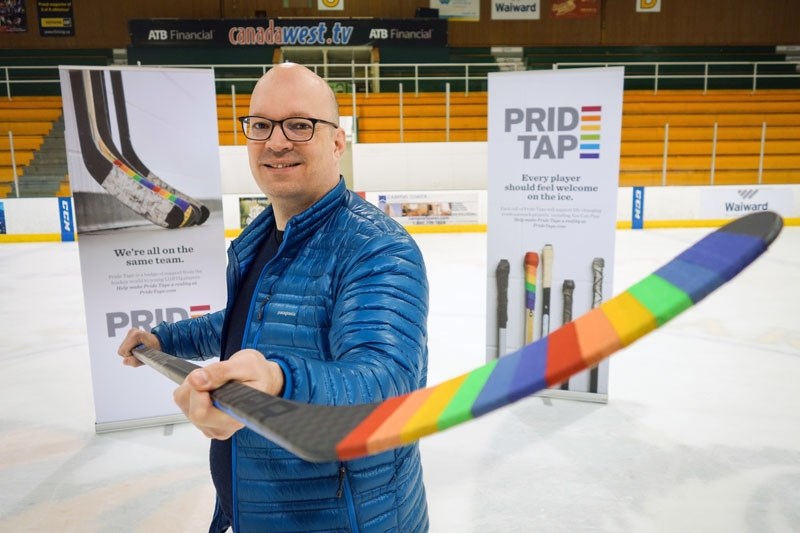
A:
x,y
134,338
246,366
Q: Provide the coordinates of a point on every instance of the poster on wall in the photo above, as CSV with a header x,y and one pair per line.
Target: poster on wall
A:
x,y
516,10
575,9
648,6
553,177
330,5
143,160
13,17
458,10
55,18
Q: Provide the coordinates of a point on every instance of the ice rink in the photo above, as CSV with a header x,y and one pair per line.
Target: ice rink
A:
x,y
701,432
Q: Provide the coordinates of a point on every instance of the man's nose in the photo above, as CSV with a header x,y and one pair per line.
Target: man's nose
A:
x,y
278,140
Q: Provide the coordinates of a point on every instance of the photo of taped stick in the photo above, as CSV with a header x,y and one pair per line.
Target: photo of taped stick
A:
x,y
501,273
547,281
597,298
567,290
531,265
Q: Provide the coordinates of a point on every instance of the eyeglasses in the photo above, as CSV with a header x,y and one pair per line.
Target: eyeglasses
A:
x,y
295,129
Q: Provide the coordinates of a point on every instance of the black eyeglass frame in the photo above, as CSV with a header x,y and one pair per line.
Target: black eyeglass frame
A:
x,y
314,122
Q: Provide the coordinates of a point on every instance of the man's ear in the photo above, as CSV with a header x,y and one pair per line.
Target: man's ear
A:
x,y
340,141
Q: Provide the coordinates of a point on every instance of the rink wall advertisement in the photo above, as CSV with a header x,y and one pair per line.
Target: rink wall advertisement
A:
x,y
145,175
554,145
430,208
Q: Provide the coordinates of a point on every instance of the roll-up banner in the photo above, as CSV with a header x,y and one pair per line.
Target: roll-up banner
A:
x,y
554,146
143,159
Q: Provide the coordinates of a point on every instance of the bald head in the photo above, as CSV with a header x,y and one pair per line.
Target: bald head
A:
x,y
304,84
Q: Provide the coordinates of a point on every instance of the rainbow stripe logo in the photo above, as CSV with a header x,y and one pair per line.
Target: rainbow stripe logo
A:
x,y
164,193
590,131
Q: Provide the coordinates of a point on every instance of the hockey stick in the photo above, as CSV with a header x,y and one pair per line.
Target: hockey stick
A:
x,y
503,269
547,281
328,433
567,290
531,264
597,298
130,155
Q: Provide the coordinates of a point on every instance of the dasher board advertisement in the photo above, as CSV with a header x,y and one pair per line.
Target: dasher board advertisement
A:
x,y
429,208
143,160
554,145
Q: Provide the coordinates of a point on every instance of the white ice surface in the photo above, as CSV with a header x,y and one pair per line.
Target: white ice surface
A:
x,y
701,431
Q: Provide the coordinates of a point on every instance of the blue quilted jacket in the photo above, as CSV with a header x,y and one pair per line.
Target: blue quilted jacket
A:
x,y
342,308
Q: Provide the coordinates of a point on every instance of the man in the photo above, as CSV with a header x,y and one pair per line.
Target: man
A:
x,y
327,303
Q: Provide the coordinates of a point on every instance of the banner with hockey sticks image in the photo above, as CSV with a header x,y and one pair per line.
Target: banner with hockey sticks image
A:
x,y
143,159
554,142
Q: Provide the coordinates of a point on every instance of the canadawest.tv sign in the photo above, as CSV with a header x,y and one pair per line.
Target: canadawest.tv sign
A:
x,y
289,32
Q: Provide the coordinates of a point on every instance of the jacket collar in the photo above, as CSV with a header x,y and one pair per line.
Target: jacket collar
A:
x,y
309,221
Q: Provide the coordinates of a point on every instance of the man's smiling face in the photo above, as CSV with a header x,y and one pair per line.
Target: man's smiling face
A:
x,y
294,175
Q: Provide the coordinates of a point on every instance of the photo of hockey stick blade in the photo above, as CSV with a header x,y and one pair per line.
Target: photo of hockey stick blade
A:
x,y
330,433
111,173
103,124
129,153
531,264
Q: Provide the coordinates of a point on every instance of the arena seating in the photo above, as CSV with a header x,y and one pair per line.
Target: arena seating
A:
x,y
742,117
31,120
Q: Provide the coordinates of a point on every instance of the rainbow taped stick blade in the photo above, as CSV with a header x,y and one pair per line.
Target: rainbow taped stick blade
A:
x,y
320,433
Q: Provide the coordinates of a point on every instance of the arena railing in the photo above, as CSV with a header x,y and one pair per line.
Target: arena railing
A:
x,y
377,77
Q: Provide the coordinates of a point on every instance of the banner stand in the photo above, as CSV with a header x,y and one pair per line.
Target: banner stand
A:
x,y
139,423
558,394
147,202
554,147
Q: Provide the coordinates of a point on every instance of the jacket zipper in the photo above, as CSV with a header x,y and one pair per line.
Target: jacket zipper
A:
x,y
344,490
260,315
342,474
234,492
